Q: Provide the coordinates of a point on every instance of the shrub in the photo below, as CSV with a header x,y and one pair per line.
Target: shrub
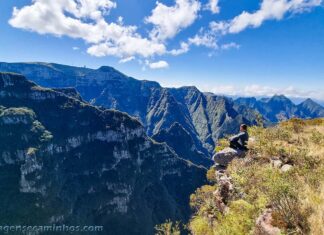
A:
x,y
211,175
200,226
317,137
239,220
202,201
168,228
222,144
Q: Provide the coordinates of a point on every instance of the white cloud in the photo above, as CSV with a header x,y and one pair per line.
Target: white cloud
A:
x,y
231,45
184,47
213,6
269,10
75,48
85,19
48,17
169,20
126,46
158,65
264,91
127,59
204,39
219,28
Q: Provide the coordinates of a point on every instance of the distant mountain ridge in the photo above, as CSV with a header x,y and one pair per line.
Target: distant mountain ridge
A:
x,y
204,116
279,107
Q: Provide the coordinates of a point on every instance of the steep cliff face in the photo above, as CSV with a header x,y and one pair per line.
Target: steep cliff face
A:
x,y
182,143
69,162
205,117
212,116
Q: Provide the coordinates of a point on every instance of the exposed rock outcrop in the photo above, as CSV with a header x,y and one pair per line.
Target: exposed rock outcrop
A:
x,y
224,157
264,226
224,192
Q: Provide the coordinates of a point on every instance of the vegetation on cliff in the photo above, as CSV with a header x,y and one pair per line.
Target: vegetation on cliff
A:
x,y
278,188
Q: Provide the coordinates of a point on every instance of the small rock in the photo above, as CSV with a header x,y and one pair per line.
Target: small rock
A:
x,y
286,167
264,226
276,163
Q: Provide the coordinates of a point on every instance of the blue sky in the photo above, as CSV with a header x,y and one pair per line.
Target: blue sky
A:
x,y
233,47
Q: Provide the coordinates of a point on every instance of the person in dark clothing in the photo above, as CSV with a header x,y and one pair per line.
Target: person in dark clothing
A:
x,y
239,141
237,148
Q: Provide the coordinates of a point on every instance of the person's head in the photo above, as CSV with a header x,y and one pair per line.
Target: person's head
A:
x,y
243,127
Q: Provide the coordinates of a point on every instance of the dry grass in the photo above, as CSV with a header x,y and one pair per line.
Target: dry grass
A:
x,y
297,196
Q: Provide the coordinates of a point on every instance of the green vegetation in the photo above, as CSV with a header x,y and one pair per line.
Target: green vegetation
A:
x,y
168,228
17,113
21,120
296,196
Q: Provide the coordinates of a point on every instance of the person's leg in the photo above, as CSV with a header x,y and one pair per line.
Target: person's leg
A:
x,y
241,153
234,145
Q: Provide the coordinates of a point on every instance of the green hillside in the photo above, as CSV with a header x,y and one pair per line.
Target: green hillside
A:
x,y
278,188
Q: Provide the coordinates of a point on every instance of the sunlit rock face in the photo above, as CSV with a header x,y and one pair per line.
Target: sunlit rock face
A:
x,y
64,161
205,117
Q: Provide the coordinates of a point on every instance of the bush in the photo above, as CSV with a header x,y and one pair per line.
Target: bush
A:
x,y
239,221
202,201
200,226
222,144
168,228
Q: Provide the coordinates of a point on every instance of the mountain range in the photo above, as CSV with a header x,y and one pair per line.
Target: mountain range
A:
x,y
201,117
72,163
205,117
94,146
279,107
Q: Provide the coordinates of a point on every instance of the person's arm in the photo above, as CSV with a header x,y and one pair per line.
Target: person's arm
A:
x,y
235,138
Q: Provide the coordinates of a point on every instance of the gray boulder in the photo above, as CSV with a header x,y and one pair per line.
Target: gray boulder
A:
x,y
225,156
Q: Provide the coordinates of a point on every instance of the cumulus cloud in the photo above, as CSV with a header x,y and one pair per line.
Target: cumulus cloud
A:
x,y
127,45
158,65
204,39
169,20
219,28
85,19
184,47
269,10
48,17
213,6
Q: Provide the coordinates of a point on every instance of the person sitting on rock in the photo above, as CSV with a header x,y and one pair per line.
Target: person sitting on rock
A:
x,y
239,141
238,148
